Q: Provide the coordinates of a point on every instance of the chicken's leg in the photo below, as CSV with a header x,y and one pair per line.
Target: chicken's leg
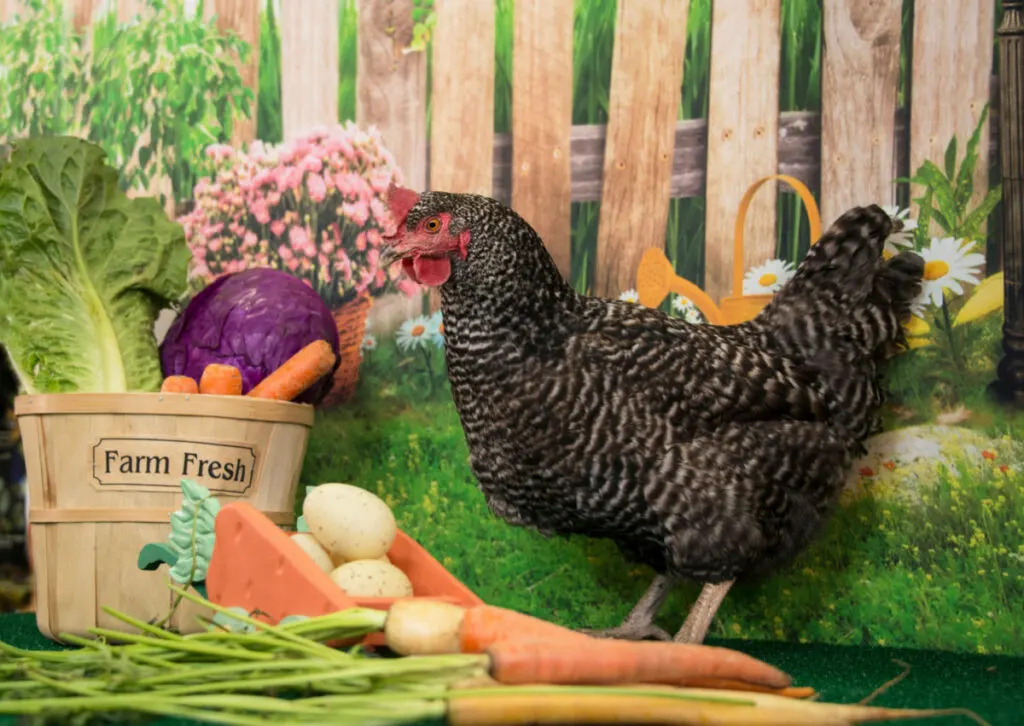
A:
x,y
639,624
695,629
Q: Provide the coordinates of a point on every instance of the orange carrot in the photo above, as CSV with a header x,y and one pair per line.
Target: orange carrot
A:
x,y
484,625
609,662
179,384
297,373
221,380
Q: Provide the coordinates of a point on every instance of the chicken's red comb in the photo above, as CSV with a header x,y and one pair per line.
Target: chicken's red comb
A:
x,y
400,201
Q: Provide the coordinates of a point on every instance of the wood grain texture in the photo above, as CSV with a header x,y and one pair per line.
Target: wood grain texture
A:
x,y
644,95
391,87
87,530
950,82
391,94
462,122
309,66
859,85
743,145
542,121
799,154
6,10
243,18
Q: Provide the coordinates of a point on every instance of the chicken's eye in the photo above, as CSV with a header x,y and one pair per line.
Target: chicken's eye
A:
x,y
432,225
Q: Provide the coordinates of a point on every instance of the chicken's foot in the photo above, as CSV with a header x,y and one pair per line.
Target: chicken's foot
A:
x,y
639,624
698,622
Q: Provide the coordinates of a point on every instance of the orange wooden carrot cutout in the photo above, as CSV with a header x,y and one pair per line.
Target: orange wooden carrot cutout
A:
x,y
221,380
179,384
297,373
608,662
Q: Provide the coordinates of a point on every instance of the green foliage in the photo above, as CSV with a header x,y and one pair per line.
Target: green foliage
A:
x,y
269,125
153,93
84,271
948,192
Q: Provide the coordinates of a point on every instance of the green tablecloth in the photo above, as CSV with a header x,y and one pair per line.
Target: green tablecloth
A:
x,y
991,686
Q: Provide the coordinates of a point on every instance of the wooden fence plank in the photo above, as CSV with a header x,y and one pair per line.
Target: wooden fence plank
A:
x,y
799,146
391,94
743,112
953,41
462,113
83,12
309,66
644,95
243,17
861,61
391,87
542,121
6,10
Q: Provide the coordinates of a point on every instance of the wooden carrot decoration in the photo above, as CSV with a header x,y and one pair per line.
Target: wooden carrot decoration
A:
x,y
297,373
221,380
179,384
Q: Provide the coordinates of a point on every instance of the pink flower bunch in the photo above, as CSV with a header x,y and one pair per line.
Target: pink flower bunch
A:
x,y
314,207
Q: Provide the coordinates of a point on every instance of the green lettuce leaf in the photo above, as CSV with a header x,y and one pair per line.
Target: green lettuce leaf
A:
x,y
84,271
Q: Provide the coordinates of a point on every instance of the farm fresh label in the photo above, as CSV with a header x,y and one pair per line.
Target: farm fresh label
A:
x,y
158,464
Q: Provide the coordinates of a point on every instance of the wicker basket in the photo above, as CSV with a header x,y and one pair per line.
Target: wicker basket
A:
x,y
104,476
351,321
656,278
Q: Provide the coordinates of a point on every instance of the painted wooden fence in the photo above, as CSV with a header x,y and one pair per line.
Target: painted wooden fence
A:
x,y
848,154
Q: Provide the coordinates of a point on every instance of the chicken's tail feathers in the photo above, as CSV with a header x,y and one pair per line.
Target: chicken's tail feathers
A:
x,y
846,298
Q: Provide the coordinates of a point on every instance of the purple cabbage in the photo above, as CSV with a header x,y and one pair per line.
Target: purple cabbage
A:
x,y
254,320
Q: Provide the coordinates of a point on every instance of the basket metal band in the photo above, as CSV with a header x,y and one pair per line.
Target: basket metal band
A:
x,y
154,515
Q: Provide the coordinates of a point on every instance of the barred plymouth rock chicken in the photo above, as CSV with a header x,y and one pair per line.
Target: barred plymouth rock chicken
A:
x,y
706,452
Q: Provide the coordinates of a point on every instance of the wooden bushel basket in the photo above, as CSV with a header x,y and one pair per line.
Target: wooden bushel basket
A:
x,y
104,476
655,277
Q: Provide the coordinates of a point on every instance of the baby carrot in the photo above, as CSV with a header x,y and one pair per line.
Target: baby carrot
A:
x,y
221,380
609,662
297,373
179,384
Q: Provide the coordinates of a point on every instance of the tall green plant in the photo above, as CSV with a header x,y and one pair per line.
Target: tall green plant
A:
x,y
947,200
153,93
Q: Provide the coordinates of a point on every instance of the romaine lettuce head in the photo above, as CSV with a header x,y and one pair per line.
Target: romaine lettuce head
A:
x,y
84,271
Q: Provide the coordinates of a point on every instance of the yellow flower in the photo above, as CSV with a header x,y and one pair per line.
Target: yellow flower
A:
x,y
986,298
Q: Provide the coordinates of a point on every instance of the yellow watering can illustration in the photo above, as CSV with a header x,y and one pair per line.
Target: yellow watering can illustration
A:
x,y
656,278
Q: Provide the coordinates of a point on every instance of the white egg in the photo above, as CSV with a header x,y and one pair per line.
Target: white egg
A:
x,y
312,548
372,578
349,522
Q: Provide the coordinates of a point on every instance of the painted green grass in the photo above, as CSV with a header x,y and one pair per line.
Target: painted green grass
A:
x,y
945,573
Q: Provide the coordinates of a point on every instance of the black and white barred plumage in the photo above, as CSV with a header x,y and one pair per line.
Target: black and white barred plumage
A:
x,y
705,452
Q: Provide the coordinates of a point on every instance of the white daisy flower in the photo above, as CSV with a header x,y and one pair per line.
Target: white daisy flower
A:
x,y
413,333
630,296
694,316
435,329
369,342
682,304
902,237
767,279
947,263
